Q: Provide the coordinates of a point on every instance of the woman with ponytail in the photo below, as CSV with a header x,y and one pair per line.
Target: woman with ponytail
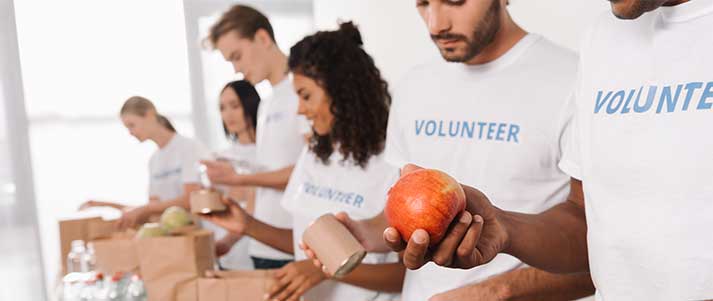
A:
x,y
342,93
173,168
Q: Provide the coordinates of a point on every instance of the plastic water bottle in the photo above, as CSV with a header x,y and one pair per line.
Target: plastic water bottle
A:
x,y
203,174
89,290
89,259
136,290
98,287
75,258
72,286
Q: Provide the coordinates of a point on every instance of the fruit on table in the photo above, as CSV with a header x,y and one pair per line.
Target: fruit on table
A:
x,y
174,218
151,230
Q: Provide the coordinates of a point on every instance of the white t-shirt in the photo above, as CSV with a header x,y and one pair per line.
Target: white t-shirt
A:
x,y
237,258
495,126
643,148
280,138
239,152
174,165
316,189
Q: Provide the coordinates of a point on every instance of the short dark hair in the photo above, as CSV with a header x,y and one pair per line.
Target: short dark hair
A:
x,y
243,19
249,100
359,96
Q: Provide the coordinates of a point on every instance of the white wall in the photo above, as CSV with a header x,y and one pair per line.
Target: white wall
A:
x,y
392,31
397,38
80,61
562,21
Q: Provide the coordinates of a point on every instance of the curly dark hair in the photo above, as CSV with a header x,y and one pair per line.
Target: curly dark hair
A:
x,y
359,96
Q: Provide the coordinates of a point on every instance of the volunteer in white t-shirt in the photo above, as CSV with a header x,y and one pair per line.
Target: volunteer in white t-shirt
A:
x,y
342,170
640,144
245,38
239,102
173,168
492,114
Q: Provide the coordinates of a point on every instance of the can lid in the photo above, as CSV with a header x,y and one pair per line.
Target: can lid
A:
x,y
350,264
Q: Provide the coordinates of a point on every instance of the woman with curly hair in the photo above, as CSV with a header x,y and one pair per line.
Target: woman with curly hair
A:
x,y
347,101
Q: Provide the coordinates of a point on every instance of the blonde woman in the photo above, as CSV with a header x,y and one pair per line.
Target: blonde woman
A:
x,y
173,172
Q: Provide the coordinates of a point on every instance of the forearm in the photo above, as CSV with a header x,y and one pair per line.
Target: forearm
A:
x,y
533,285
388,277
157,207
109,204
250,202
275,237
555,240
230,239
374,234
276,179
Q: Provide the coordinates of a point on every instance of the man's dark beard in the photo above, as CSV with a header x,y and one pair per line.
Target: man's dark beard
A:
x,y
638,8
483,35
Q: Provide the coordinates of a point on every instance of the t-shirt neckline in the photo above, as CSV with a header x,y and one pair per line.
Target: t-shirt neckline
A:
x,y
686,11
506,59
170,143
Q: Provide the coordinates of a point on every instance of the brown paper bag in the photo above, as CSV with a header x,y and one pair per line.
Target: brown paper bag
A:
x,y
116,253
72,229
101,228
81,228
171,265
235,285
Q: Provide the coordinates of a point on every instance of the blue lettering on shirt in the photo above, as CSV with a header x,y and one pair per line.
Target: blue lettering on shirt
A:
x,y
275,117
327,193
665,99
494,131
166,173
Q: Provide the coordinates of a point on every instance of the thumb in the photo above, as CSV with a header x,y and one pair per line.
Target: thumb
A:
x,y
409,168
226,201
208,163
351,225
347,221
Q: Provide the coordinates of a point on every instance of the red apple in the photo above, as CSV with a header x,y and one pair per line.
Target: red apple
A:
x,y
425,199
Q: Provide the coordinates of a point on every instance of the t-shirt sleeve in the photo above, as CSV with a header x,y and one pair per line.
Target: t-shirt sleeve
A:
x,y
571,140
569,144
191,156
395,151
295,181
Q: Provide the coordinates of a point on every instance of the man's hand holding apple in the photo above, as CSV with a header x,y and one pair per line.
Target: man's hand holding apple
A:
x,y
473,237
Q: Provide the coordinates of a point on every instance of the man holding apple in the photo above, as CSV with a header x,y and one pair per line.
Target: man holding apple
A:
x,y
643,105
493,113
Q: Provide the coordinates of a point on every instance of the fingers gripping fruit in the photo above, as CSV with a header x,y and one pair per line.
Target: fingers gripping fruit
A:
x,y
425,199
